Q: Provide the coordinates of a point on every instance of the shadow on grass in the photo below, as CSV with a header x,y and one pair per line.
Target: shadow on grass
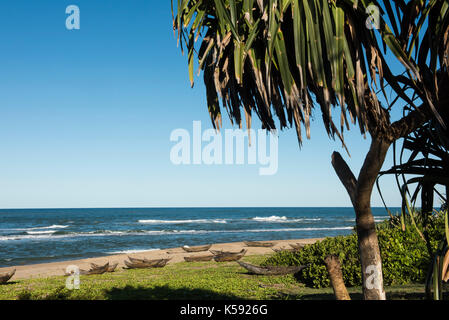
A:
x,y
165,293
9,283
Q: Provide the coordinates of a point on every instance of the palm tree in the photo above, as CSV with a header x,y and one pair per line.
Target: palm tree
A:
x,y
283,58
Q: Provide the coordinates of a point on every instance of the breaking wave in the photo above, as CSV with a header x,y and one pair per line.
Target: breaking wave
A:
x,y
106,233
55,226
284,219
152,221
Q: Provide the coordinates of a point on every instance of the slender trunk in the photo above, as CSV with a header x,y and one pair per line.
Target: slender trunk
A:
x,y
426,211
360,191
335,274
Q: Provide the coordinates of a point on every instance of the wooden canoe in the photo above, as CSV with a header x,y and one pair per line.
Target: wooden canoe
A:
x,y
137,265
198,258
95,270
111,268
220,252
138,260
158,263
162,263
297,246
284,249
271,270
4,277
259,244
197,249
230,256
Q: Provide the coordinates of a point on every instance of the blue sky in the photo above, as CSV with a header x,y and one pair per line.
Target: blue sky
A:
x,y
86,116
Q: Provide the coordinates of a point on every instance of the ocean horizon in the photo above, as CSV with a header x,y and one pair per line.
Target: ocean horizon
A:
x,y
31,236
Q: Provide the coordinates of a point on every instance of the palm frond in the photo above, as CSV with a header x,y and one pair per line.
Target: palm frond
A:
x,y
281,58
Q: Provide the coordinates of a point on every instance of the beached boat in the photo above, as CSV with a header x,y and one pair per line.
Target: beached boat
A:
x,y
197,249
284,249
162,263
138,260
297,246
4,277
143,264
111,268
229,256
259,244
136,265
198,258
271,270
95,270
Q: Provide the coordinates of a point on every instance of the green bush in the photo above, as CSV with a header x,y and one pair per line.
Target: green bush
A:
x,y
405,257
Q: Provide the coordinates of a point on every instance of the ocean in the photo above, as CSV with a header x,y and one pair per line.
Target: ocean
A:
x,y
29,236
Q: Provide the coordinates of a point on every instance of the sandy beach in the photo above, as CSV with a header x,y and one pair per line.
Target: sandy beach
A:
x,y
177,254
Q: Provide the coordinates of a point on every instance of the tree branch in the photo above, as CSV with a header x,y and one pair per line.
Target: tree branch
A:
x,y
333,266
409,123
370,169
345,174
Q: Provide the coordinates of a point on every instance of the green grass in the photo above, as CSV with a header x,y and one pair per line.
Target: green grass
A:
x,y
201,280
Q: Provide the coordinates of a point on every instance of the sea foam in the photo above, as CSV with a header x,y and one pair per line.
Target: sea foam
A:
x,y
277,219
41,232
158,232
153,221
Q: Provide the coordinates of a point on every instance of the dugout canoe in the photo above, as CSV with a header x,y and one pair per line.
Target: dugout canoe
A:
x,y
111,268
259,244
229,256
158,263
198,258
95,270
297,246
4,277
197,249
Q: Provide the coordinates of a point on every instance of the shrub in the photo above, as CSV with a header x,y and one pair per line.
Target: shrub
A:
x,y
404,254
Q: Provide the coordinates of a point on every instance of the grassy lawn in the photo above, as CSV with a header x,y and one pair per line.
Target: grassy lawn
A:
x,y
201,280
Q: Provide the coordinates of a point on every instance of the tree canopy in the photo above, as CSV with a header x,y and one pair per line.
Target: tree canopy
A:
x,y
282,58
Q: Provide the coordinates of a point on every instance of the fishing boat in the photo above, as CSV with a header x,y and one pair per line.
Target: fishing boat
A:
x,y
297,246
111,268
95,270
259,244
198,258
271,270
143,264
229,256
138,260
162,263
4,277
197,249
284,249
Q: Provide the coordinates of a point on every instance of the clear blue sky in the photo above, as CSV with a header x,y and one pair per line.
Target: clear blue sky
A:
x,y
86,116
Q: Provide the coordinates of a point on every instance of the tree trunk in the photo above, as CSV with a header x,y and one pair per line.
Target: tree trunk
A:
x,y
360,191
334,268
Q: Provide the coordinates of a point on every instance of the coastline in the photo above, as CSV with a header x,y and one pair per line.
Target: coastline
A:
x,y
177,254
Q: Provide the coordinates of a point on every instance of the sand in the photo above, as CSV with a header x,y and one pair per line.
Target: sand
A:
x,y
45,270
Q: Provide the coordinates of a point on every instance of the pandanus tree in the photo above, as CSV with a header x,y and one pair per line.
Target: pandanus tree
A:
x,y
281,59
421,169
